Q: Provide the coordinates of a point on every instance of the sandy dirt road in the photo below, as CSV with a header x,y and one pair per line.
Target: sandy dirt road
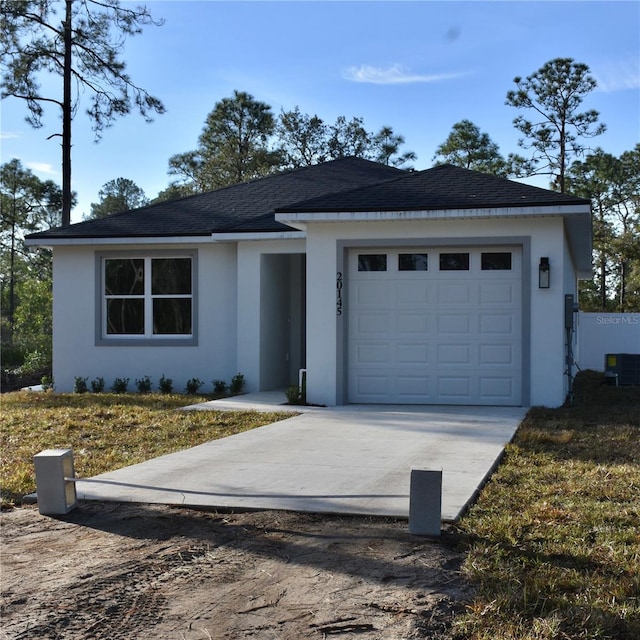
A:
x,y
115,571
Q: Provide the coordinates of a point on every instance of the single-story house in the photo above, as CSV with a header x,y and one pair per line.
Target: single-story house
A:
x,y
443,286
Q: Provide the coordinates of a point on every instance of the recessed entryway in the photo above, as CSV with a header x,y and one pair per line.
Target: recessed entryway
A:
x,y
282,319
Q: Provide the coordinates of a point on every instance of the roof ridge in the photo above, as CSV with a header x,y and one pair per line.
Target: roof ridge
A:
x,y
446,192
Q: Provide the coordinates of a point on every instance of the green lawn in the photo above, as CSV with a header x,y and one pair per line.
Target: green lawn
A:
x,y
106,431
554,539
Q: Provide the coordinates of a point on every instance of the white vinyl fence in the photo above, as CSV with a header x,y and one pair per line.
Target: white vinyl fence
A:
x,y
602,333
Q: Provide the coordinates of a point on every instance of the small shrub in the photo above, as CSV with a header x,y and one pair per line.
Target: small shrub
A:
x,y
237,384
80,385
144,385
294,395
97,385
219,387
193,385
165,384
120,385
47,383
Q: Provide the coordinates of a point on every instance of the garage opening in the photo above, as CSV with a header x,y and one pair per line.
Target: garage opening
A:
x,y
435,325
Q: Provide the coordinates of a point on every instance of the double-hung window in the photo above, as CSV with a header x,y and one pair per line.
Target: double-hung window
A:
x,y
147,298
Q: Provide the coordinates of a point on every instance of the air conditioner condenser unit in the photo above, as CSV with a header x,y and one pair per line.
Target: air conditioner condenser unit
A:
x,y
622,368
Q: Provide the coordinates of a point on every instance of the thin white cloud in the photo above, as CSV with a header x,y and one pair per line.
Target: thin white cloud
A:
x,y
8,135
619,76
393,74
42,167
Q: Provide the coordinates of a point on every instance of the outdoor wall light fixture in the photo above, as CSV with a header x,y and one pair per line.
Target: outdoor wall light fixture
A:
x,y
544,273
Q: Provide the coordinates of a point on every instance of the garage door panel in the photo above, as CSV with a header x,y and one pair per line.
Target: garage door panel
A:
x,y
374,294
497,323
431,336
459,323
497,388
454,387
450,293
412,353
374,353
372,386
413,386
413,293
453,354
395,385
374,322
412,323
496,293
497,354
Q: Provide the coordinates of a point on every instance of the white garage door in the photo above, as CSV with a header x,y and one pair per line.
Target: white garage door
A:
x,y
435,326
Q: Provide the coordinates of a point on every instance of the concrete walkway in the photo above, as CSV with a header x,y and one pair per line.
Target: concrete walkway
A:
x,y
354,459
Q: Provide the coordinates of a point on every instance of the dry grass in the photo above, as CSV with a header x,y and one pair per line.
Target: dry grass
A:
x,y
555,536
106,431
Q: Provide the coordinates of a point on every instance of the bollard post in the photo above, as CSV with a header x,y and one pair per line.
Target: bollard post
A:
x,y
425,503
56,493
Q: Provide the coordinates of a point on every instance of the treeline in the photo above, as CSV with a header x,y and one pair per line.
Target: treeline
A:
x,y
242,139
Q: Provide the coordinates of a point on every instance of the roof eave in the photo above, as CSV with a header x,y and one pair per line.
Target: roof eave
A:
x,y
113,240
249,236
579,236
299,218
221,236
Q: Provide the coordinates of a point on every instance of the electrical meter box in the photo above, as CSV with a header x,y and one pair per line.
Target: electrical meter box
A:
x,y
622,368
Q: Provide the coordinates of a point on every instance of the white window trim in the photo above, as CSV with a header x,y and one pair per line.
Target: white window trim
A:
x,y
148,339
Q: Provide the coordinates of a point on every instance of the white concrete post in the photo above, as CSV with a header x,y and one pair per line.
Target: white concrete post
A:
x,y
425,503
56,495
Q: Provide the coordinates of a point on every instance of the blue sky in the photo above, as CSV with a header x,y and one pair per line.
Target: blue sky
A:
x,y
417,66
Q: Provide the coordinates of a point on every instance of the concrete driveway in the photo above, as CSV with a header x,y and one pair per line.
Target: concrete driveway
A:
x,y
354,459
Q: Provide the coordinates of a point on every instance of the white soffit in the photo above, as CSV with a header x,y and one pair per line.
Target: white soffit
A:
x,y
214,237
436,214
79,242
579,237
263,235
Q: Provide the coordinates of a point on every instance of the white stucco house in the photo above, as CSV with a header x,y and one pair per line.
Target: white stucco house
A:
x,y
443,286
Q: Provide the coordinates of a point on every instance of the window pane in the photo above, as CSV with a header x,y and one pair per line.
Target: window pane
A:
x,y
170,276
172,316
496,261
372,262
125,316
454,262
412,262
124,277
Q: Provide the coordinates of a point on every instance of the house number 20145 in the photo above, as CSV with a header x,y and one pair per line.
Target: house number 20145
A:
x,y
339,294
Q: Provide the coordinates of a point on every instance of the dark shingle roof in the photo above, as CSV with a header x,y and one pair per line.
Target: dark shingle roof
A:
x,y
348,184
242,208
442,187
